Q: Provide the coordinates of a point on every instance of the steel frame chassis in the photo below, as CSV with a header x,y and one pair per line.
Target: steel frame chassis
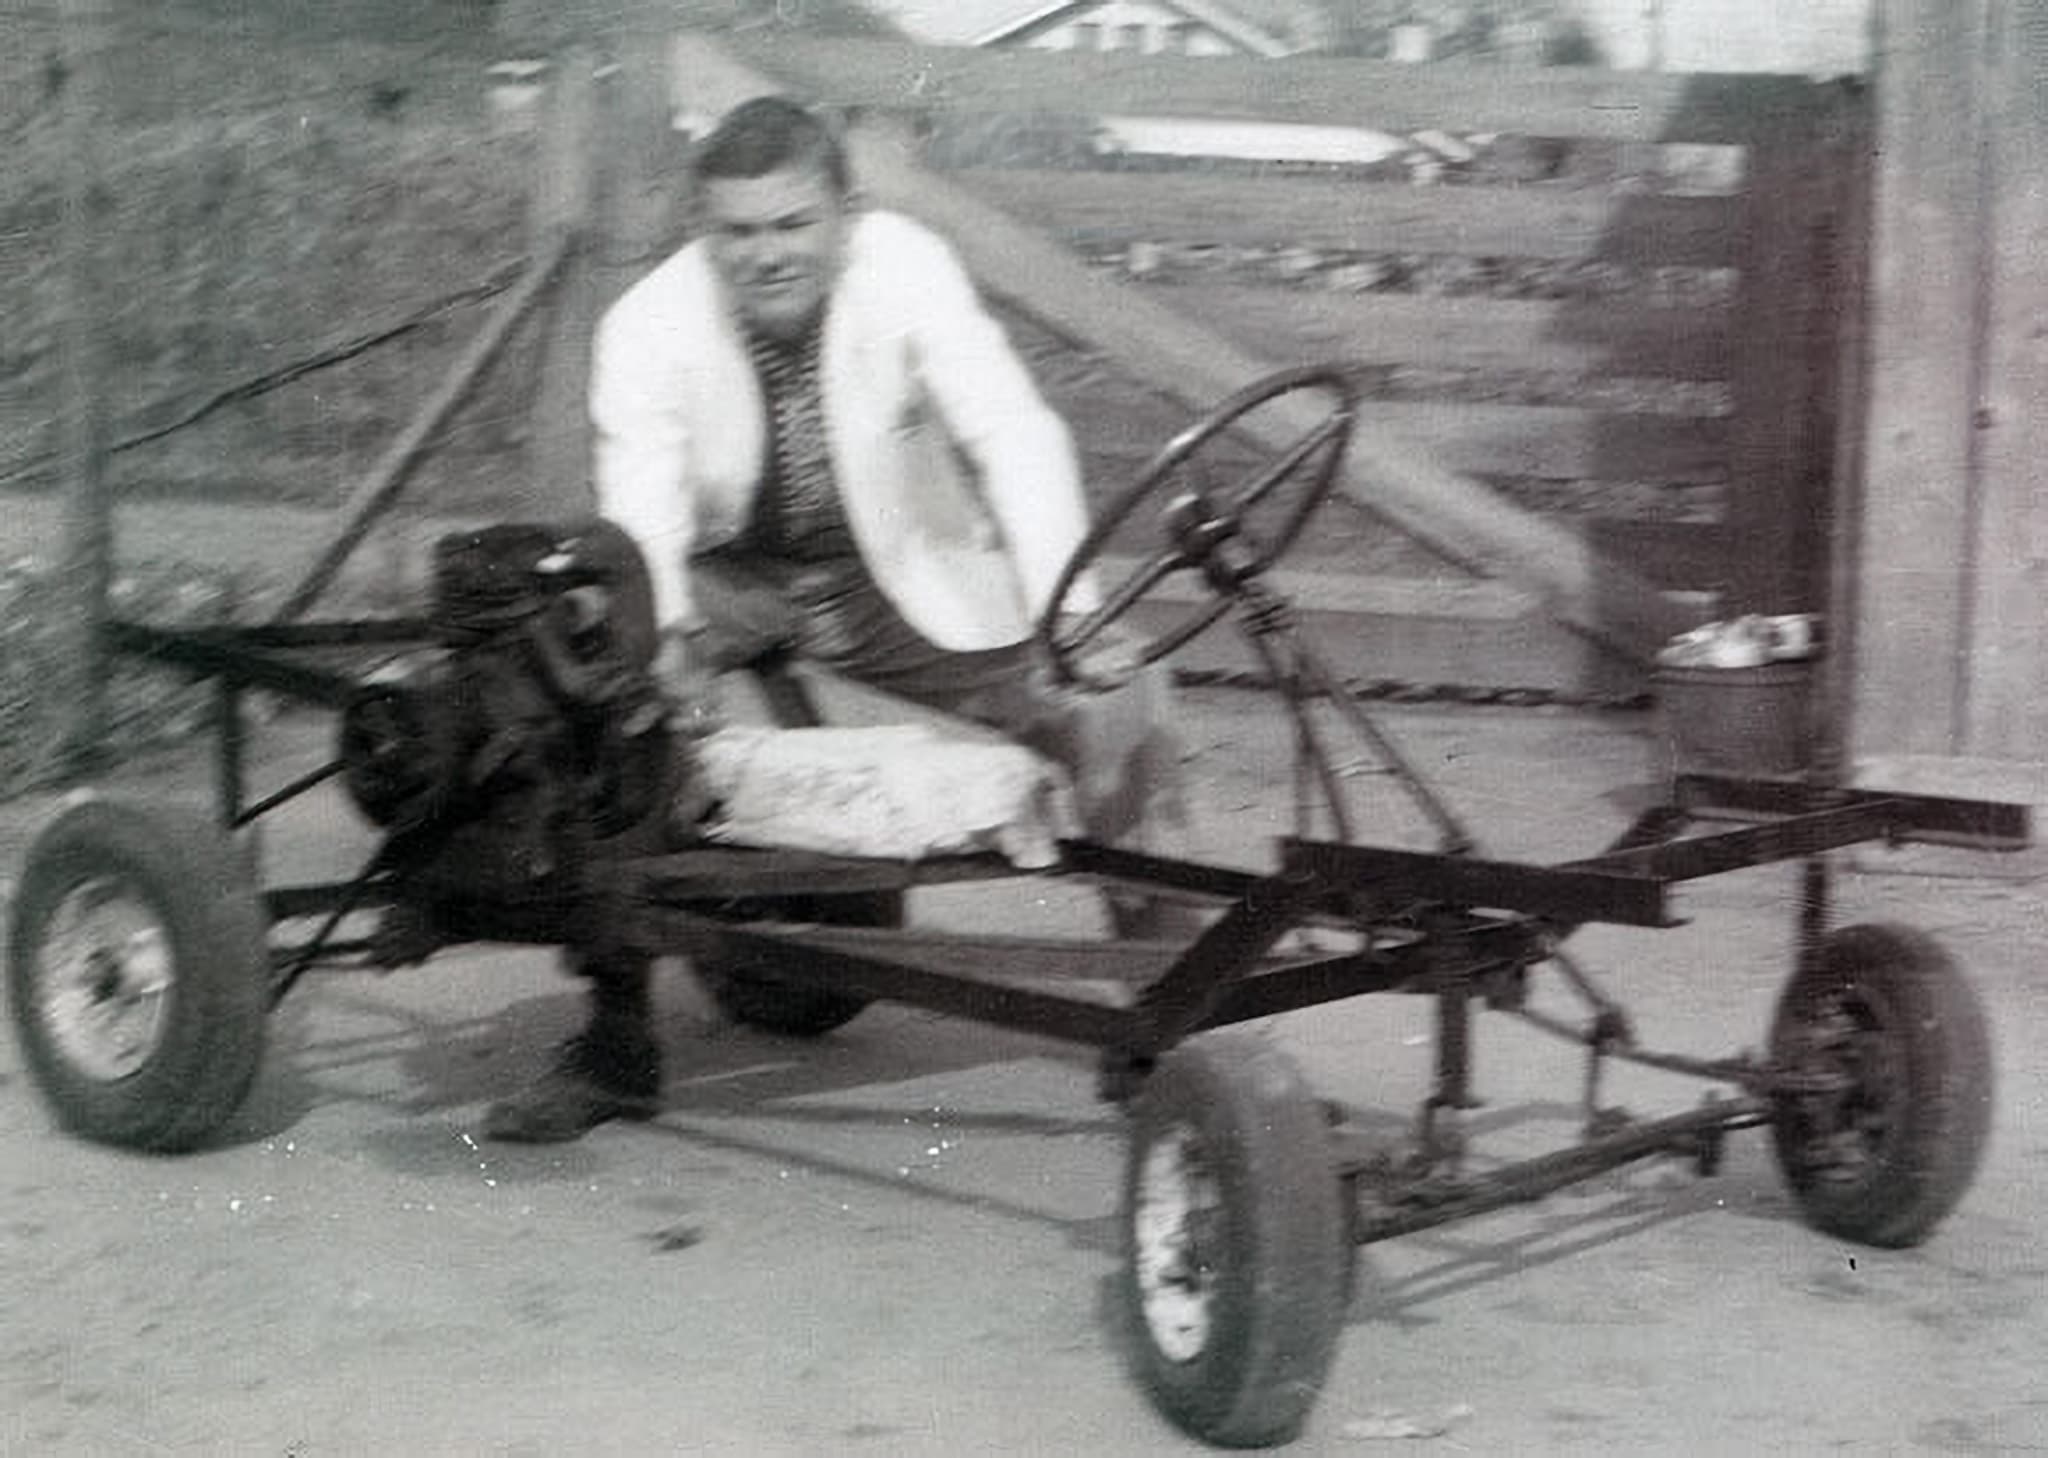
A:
x,y
1453,926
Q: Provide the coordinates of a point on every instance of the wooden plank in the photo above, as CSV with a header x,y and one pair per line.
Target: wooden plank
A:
x,y
1784,367
2004,682
643,200
1923,304
1464,333
565,210
1349,594
1548,442
1829,707
1110,209
1454,515
1684,556
376,493
1550,101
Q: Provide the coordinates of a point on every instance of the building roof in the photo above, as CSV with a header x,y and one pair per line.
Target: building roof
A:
x,y
1284,20
986,22
1217,17
949,22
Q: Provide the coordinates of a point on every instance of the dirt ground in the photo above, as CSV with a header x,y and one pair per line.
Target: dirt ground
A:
x,y
901,1239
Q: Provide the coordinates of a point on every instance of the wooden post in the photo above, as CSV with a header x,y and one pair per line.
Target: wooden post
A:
x,y
88,539
1924,307
1784,367
565,207
642,200
2003,679
1832,706
1950,693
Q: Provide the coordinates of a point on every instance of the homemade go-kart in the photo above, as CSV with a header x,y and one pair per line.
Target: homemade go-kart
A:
x,y
523,767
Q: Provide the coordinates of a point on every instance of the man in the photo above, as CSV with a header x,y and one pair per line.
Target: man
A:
x,y
825,445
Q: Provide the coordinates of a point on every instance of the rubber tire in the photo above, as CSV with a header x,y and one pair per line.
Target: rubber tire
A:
x,y
198,884
743,983
1284,1279
1922,1163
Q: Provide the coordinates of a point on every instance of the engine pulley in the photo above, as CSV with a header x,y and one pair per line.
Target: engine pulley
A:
x,y
400,743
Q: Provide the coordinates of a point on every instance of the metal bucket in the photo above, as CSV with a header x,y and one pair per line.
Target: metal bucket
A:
x,y
1737,721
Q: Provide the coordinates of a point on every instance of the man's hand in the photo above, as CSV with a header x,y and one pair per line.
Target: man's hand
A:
x,y
744,616
1111,660
713,649
689,682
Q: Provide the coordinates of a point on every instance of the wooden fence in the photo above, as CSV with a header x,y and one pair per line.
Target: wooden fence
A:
x,y
1672,352
1697,391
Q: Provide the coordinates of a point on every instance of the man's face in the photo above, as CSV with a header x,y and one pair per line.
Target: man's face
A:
x,y
776,241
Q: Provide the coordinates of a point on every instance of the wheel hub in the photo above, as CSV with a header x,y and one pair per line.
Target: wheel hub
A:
x,y
1850,1055
104,977
1173,1225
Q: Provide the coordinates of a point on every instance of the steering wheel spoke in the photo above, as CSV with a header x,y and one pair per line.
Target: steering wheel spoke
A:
x,y
1133,588
1208,534
1071,639
1303,452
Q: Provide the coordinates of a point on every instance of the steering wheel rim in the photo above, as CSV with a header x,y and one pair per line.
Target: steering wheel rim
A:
x,y
1222,523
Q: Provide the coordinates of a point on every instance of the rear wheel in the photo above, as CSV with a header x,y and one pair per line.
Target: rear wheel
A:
x,y
1238,1255
138,972
1884,1121
742,980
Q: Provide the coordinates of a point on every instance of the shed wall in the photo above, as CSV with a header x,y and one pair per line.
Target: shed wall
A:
x,y
1950,557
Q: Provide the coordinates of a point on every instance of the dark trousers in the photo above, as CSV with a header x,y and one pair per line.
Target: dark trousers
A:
x,y
1121,750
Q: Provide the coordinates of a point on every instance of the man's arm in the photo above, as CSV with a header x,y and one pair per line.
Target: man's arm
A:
x,y
642,444
1030,474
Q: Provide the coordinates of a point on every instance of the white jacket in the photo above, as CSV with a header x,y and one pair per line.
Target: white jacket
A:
x,y
960,484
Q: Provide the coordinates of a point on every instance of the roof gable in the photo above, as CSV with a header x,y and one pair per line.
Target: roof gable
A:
x,y
1218,17
1287,21
950,22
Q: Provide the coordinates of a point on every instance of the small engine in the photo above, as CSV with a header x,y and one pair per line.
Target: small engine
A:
x,y
532,740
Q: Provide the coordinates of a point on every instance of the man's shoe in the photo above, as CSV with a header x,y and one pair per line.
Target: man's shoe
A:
x,y
571,1099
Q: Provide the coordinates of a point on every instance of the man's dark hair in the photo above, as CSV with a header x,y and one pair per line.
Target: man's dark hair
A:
x,y
767,135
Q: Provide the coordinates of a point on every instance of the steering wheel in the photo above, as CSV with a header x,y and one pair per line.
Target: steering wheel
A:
x,y
1214,534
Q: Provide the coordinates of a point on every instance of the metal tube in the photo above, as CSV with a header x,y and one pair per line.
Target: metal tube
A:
x,y
1265,618
1453,1050
230,758
288,793
1724,1070
1457,839
1816,906
1532,1179
1184,998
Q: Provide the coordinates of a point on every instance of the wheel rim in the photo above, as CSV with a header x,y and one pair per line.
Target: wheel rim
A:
x,y
1177,1211
104,976
1847,1058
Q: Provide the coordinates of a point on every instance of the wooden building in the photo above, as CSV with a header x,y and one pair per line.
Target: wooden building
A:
x,y
1944,559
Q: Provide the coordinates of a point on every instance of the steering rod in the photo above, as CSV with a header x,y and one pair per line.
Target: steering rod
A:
x,y
1211,543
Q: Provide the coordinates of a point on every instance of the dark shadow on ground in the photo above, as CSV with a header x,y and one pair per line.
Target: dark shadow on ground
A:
x,y
1579,1221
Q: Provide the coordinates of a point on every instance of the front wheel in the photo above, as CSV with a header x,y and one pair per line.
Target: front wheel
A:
x,y
743,981
1887,1105
138,972
1237,1252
